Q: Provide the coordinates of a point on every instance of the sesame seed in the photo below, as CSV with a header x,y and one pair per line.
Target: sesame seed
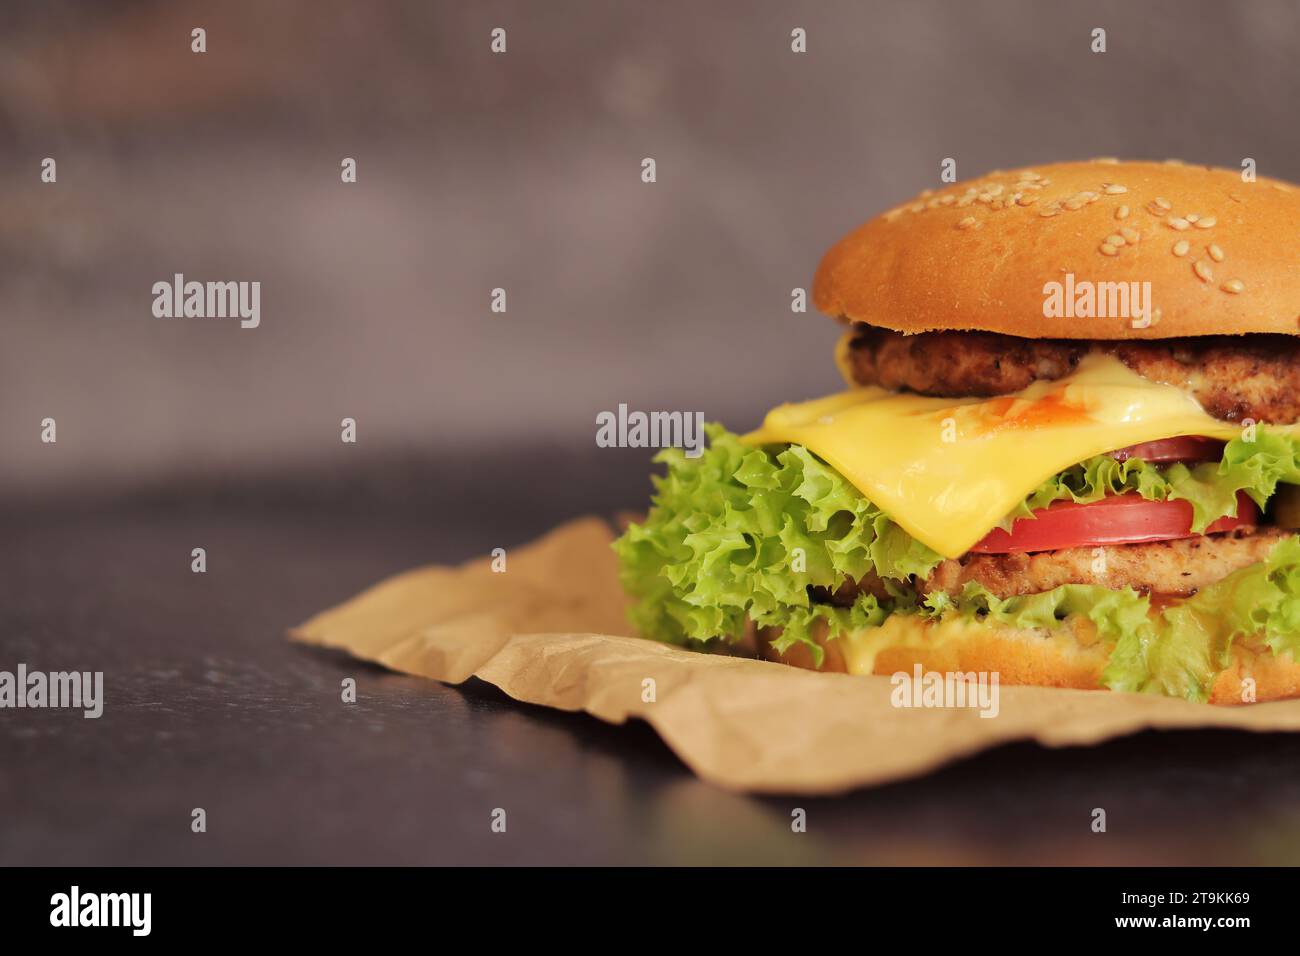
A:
x,y
1115,190
1029,174
1088,196
994,190
1115,240
1215,252
916,207
1191,217
948,200
1163,203
1108,160
1026,200
1048,211
1121,212
1107,249
1179,223
1233,285
965,201
984,198
1181,247
1207,223
1203,271
1073,204
970,222
1130,234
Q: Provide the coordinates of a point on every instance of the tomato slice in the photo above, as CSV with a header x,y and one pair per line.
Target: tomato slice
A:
x,y
1186,448
1115,519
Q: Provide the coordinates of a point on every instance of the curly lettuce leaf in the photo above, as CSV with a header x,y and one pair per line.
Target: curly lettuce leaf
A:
x,y
1188,643
1255,467
740,534
1177,652
1114,612
1180,650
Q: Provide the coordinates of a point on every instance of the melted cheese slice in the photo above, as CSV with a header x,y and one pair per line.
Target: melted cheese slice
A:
x,y
949,470
944,639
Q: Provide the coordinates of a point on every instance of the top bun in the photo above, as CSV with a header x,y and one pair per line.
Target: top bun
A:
x,y
1222,255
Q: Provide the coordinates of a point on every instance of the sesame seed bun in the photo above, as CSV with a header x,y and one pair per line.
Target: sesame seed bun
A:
x,y
1222,255
1029,656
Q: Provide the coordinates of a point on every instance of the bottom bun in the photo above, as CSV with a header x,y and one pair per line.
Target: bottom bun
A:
x,y
1069,656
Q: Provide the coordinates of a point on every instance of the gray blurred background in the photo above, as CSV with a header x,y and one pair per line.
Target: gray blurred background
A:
x,y
476,430
520,171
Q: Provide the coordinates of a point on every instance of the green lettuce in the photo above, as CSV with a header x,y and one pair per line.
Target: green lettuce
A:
x,y
1176,652
740,536
1188,643
1254,467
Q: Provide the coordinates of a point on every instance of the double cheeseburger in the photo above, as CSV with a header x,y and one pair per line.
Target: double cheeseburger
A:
x,y
1068,453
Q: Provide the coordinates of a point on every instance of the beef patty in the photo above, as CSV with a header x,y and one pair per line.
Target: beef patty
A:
x,y
1233,377
1179,567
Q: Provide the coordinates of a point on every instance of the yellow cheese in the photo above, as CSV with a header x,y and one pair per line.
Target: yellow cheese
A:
x,y
949,470
943,639
860,648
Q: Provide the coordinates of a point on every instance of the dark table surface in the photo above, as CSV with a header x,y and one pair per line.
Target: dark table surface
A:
x,y
208,705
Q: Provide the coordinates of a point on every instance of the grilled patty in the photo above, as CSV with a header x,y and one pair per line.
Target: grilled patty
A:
x,y
1233,377
1179,567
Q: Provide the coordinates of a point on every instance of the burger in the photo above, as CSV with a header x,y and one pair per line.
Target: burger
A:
x,y
1068,451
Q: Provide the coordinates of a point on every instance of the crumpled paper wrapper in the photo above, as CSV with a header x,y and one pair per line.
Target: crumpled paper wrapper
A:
x,y
551,630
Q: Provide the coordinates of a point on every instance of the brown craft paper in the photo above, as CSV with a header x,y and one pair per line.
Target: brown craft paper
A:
x,y
551,630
